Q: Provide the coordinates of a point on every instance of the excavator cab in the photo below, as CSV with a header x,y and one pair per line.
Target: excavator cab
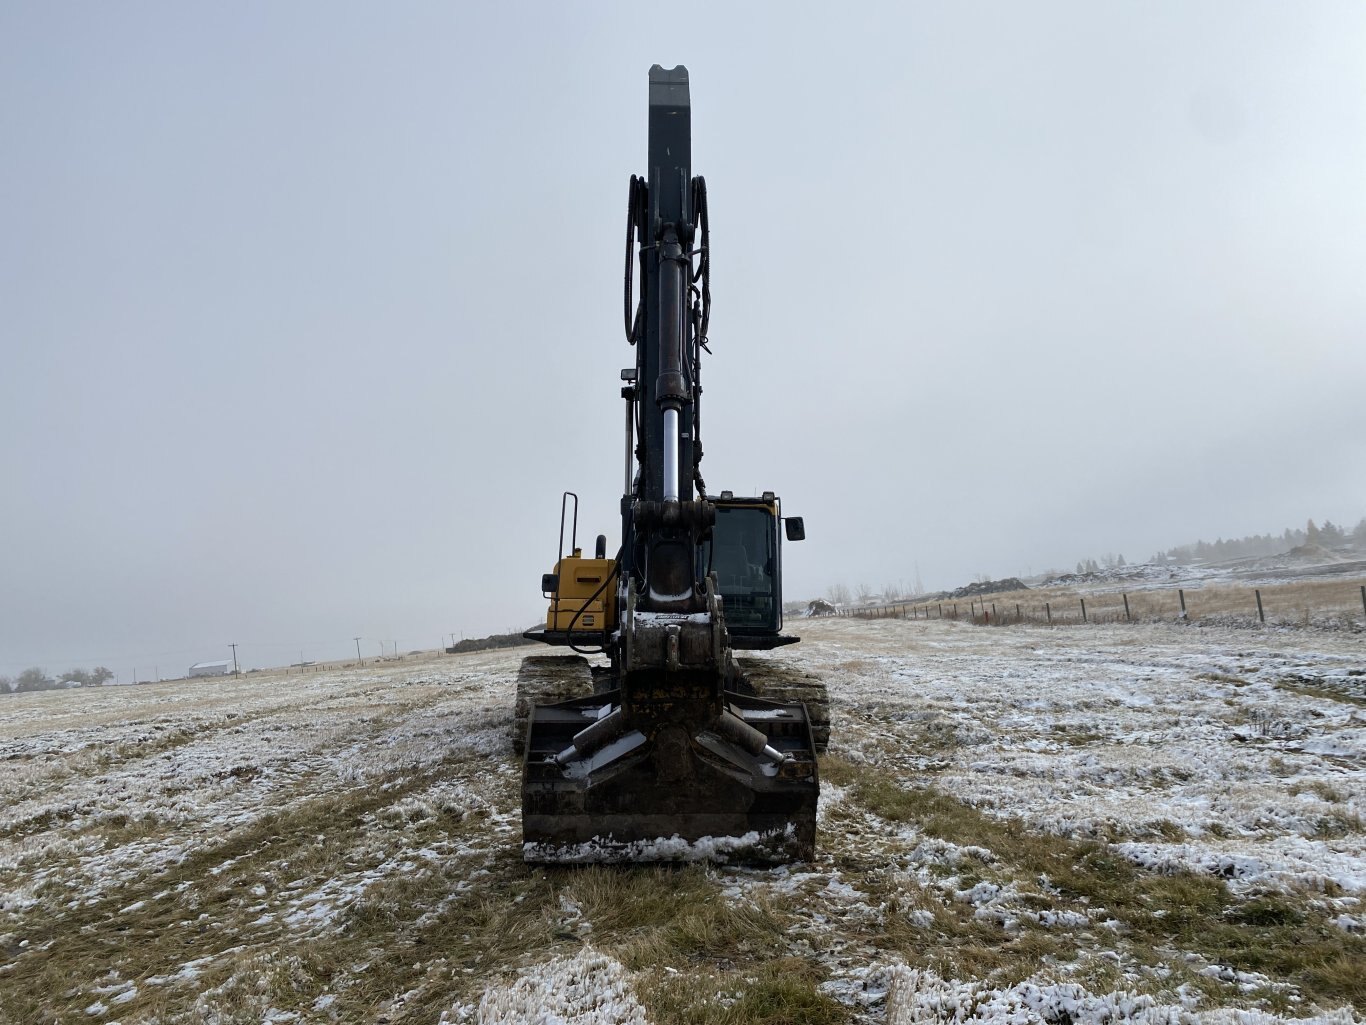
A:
x,y
745,553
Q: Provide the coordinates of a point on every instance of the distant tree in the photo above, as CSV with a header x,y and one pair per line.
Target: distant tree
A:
x,y
87,677
1359,534
34,679
865,593
1311,533
1122,563
1331,534
839,594
6,685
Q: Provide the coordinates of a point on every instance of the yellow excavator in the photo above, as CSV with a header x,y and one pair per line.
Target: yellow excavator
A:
x,y
669,744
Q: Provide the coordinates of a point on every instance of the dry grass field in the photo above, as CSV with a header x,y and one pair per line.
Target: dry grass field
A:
x,y
1333,604
1145,821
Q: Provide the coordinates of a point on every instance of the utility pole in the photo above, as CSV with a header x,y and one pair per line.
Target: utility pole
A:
x,y
235,671
358,658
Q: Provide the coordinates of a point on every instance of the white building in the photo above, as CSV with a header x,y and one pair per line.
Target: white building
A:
x,y
210,668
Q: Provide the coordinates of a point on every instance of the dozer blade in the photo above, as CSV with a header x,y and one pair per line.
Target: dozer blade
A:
x,y
670,798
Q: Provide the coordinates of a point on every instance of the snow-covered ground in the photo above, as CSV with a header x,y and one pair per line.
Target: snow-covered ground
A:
x,y
345,845
1098,730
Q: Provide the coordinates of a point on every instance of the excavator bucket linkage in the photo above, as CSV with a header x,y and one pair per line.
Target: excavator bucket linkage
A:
x,y
621,796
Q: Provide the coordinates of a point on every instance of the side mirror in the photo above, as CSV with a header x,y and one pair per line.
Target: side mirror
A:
x,y
550,583
795,528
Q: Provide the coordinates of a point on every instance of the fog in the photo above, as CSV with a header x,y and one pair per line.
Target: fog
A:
x,y
309,313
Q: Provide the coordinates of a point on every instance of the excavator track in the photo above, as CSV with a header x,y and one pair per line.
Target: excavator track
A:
x,y
775,680
547,680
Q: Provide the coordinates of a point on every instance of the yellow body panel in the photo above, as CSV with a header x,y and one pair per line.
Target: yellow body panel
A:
x,y
580,579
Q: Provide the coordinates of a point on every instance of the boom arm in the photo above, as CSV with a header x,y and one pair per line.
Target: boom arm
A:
x,y
660,514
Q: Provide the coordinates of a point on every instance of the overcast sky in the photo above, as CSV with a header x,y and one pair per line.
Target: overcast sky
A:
x,y
310,311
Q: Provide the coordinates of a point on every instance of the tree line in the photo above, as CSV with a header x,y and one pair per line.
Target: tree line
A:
x,y
36,679
1330,535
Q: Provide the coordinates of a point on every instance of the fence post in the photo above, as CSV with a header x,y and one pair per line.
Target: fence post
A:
x,y
1363,599
1182,595
993,611
1126,608
1260,614
941,610
1018,617
1083,610
1048,612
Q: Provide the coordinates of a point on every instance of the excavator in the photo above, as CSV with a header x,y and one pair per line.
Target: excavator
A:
x,y
677,748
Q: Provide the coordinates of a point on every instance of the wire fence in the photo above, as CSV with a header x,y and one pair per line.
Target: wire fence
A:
x,y
1318,604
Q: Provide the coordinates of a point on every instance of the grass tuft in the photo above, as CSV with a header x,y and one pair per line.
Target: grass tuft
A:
x,y
779,992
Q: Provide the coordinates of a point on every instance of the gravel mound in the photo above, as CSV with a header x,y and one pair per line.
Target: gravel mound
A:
x,y
989,587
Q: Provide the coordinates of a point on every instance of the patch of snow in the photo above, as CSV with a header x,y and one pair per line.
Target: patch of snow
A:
x,y
915,995
719,849
588,988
